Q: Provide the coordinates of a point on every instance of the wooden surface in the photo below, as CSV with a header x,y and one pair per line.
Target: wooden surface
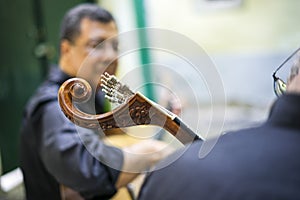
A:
x,y
138,110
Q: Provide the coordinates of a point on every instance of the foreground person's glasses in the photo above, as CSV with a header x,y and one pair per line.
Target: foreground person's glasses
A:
x,y
279,84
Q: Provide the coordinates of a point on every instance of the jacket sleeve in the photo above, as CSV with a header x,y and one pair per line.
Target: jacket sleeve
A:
x,y
76,156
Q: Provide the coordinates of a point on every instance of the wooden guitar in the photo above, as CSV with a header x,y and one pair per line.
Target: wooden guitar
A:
x,y
134,109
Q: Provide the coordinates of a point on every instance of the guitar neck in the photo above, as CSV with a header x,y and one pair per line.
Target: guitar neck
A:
x,y
180,130
172,123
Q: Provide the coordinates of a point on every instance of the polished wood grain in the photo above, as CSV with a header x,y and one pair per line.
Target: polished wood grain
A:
x,y
138,110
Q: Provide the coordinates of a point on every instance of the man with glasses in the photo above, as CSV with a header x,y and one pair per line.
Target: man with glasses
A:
x,y
256,163
54,152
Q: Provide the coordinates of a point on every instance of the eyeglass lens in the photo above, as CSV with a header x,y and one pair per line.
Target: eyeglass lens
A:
x,y
279,87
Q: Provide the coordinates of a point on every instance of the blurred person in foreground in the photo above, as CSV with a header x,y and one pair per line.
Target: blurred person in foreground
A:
x,y
55,154
256,163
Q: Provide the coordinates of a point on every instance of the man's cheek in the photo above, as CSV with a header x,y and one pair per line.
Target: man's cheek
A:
x,y
112,68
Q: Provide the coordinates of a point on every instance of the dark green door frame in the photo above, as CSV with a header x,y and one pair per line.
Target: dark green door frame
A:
x,y
26,25
145,56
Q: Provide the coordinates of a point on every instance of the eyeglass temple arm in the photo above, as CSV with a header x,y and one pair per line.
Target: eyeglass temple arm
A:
x,y
275,78
274,74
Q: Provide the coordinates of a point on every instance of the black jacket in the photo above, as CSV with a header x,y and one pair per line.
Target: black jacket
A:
x,y
54,150
256,163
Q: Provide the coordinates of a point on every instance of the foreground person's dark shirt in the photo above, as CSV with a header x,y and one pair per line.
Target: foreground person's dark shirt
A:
x,y
53,150
257,163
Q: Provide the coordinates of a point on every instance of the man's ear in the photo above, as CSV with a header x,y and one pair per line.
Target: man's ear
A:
x,y
65,47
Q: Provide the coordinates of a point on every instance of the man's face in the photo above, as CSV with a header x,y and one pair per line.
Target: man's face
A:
x,y
94,51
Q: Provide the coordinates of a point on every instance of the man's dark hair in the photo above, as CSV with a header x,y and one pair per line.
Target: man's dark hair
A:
x,y
70,26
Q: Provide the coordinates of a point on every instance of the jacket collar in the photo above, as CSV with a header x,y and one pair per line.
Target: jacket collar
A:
x,y
286,111
57,76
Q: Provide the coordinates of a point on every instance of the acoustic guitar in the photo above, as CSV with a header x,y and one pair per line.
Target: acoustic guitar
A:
x,y
134,110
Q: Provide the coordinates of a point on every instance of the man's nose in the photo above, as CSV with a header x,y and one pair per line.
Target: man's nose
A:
x,y
110,52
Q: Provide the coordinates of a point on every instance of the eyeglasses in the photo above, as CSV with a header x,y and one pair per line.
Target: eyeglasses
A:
x,y
279,84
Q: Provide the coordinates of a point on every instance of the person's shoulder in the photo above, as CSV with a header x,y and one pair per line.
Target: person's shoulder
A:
x,y
219,149
246,134
232,137
44,94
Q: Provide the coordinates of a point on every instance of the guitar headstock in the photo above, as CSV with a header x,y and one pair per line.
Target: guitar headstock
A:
x,y
115,91
136,109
